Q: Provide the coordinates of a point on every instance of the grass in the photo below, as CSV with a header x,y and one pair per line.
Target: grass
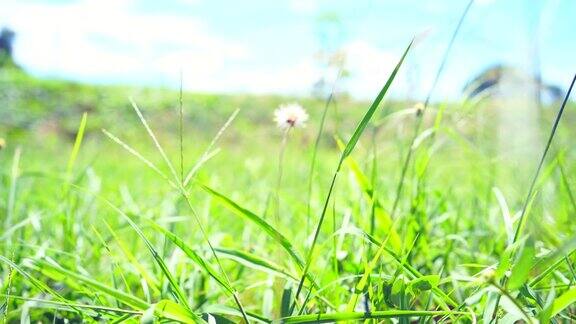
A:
x,y
164,215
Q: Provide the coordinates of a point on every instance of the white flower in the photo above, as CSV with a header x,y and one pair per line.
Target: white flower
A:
x,y
290,115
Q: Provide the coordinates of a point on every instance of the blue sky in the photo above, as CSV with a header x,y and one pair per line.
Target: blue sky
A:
x,y
263,46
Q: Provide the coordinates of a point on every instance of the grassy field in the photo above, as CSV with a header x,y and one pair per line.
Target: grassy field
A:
x,y
382,212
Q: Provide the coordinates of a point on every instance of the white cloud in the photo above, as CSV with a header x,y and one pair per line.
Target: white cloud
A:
x,y
305,7
370,67
297,78
94,39
107,41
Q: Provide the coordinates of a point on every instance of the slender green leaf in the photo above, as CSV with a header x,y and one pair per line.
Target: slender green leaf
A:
x,y
34,281
132,259
260,222
58,272
521,268
168,310
563,301
77,144
285,302
345,153
225,310
375,104
381,214
194,256
255,262
182,299
357,316
423,283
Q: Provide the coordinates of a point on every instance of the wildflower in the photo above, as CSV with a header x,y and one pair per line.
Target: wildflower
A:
x,y
287,116
290,115
2,143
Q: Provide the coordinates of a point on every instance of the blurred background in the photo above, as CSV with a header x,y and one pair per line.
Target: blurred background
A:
x,y
510,62
288,47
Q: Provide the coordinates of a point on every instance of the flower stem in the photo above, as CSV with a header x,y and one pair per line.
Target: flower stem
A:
x,y
280,171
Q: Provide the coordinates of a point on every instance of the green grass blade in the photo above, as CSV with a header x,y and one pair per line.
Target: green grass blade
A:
x,y
14,176
155,140
58,272
285,302
80,306
551,261
158,258
260,222
181,128
208,151
225,310
523,213
255,262
117,269
529,195
193,256
35,282
168,310
420,119
181,189
317,145
367,188
358,316
408,269
521,269
77,143
563,301
139,156
179,294
375,104
132,259
345,153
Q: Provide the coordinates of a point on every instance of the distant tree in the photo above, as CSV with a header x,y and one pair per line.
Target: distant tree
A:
x,y
488,80
6,47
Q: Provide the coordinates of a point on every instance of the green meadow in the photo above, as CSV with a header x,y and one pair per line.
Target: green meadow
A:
x,y
124,204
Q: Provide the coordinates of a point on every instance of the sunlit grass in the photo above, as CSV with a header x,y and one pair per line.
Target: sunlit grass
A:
x,y
385,213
